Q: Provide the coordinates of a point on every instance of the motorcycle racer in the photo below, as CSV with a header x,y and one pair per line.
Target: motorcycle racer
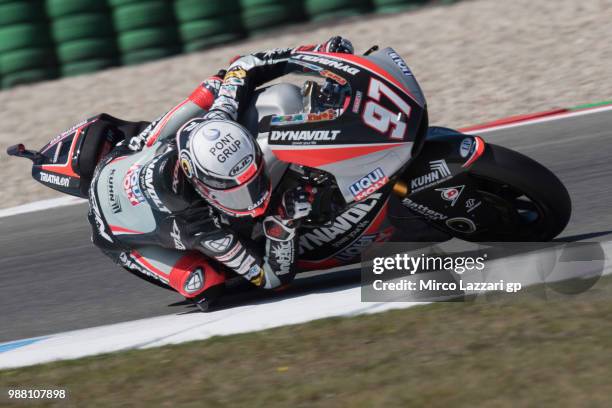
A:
x,y
203,189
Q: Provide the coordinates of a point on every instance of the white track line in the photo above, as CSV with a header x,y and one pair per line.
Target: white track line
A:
x,y
174,329
41,205
551,118
66,201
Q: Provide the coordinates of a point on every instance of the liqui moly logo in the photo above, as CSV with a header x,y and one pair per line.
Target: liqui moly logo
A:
x,y
368,184
439,173
131,185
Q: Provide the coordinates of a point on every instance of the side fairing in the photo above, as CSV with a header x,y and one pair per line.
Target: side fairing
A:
x,y
121,196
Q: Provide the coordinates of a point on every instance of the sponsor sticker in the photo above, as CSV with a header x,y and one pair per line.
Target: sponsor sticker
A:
x,y
304,135
113,199
283,256
186,164
176,176
471,204
357,103
328,63
368,184
228,90
150,187
235,73
451,193
131,185
255,275
400,63
280,120
176,236
241,165
333,76
225,147
350,224
54,179
423,210
259,202
194,282
466,147
439,172
218,245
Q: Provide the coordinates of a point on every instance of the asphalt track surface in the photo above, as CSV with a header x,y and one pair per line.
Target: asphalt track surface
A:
x,y
52,279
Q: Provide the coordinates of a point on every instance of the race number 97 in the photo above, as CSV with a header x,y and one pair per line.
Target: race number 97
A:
x,y
381,118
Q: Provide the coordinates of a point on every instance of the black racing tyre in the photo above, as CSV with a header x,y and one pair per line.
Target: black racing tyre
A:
x,y
192,10
19,36
150,54
81,26
143,15
147,38
14,12
60,8
79,50
26,59
532,204
202,29
28,77
85,67
211,41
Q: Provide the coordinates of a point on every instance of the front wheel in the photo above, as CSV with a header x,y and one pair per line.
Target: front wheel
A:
x,y
529,201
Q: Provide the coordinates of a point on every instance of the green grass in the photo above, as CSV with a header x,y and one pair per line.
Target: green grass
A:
x,y
508,351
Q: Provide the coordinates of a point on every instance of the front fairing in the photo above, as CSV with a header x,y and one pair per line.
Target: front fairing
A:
x,y
368,138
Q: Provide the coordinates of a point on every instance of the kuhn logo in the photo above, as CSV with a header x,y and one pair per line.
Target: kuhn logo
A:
x,y
304,135
439,173
241,165
368,184
328,62
53,179
113,199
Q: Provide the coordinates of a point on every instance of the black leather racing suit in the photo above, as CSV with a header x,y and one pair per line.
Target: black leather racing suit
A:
x,y
182,220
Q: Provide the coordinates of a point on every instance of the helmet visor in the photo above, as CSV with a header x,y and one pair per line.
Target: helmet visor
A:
x,y
248,199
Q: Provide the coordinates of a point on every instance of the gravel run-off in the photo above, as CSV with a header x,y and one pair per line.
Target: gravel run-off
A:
x,y
475,60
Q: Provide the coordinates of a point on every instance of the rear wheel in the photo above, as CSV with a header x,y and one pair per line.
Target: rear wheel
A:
x,y
528,201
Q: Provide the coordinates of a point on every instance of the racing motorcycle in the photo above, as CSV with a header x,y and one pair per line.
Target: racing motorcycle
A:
x,y
358,131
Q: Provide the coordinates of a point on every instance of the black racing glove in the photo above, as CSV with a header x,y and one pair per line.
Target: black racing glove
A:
x,y
297,203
